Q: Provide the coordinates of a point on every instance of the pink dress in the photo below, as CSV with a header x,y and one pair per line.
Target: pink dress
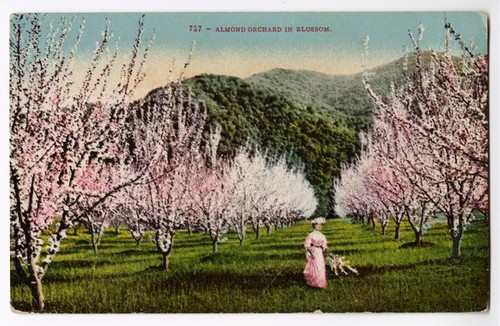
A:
x,y
315,270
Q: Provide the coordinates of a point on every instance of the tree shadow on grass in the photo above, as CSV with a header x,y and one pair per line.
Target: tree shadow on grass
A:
x,y
21,306
223,281
192,244
268,257
366,271
341,242
15,279
136,252
81,263
264,246
348,252
423,244
154,268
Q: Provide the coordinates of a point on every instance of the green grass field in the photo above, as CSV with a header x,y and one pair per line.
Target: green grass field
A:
x,y
265,275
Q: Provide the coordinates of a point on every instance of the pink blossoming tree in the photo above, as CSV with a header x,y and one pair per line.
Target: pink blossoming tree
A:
x,y
429,143
168,130
62,131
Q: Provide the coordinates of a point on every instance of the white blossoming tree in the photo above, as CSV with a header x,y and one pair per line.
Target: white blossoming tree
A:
x,y
429,143
62,130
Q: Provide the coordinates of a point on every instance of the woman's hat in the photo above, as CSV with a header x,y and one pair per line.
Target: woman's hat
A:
x,y
318,220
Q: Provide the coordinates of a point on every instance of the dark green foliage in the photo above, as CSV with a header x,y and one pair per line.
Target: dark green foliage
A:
x,y
265,275
331,93
312,118
308,135
325,92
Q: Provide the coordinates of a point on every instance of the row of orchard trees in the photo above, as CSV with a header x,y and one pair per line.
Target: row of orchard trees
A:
x,y
83,152
427,152
225,194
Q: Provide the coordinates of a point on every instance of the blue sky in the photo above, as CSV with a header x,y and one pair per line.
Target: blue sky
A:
x,y
243,54
387,31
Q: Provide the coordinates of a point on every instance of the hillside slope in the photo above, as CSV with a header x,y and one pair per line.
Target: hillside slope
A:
x,y
312,118
306,135
330,92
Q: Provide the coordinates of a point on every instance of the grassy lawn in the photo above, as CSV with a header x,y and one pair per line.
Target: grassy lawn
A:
x,y
265,275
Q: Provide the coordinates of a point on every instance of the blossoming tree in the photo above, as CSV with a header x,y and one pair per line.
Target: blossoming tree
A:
x,y
432,134
61,130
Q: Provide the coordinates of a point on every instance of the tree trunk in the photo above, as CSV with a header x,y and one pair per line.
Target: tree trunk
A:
x,y
190,230
397,231
96,236
257,231
418,238
242,235
372,220
215,246
268,229
416,231
457,241
165,256
165,243
137,234
37,294
383,225
456,247
75,229
94,240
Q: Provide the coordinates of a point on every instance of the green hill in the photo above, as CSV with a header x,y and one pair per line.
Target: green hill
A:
x,y
329,92
307,135
312,118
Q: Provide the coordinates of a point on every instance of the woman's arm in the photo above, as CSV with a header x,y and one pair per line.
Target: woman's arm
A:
x,y
308,242
308,246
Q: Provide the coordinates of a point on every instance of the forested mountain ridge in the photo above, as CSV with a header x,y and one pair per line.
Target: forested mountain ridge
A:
x,y
312,118
307,135
331,92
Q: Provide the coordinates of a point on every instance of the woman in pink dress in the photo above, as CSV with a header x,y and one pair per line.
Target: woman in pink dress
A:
x,y
315,244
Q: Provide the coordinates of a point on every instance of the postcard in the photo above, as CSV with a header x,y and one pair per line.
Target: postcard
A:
x,y
251,162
